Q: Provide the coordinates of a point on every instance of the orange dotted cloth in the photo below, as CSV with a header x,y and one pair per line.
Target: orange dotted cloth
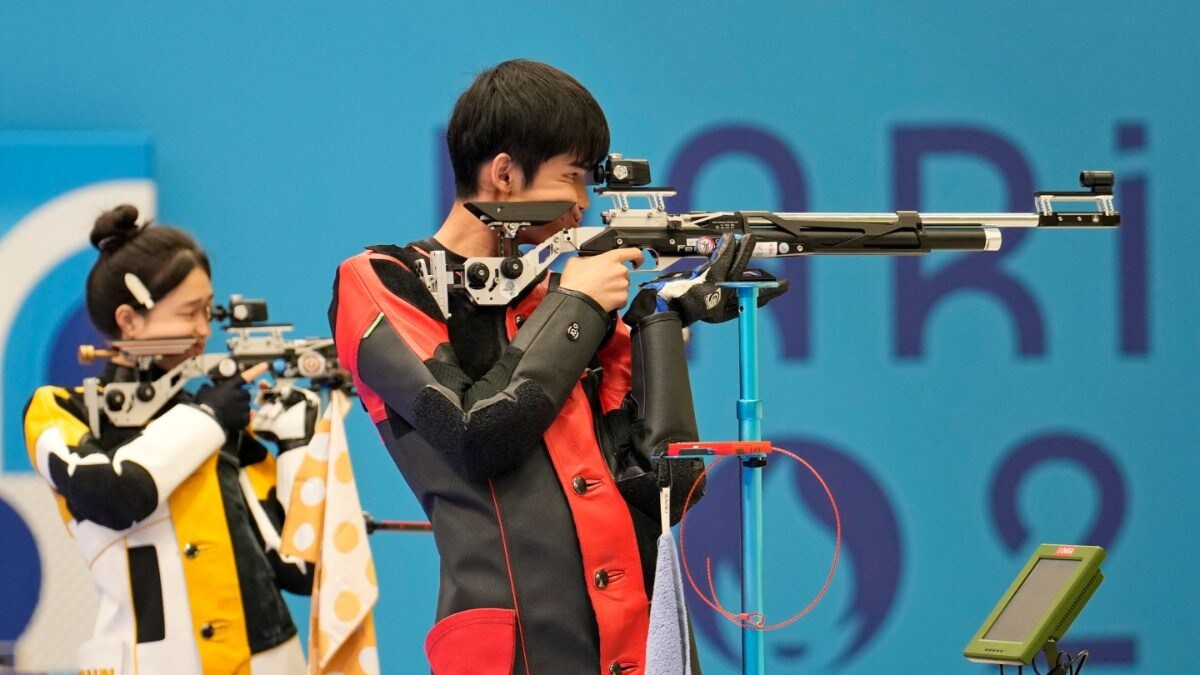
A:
x,y
325,527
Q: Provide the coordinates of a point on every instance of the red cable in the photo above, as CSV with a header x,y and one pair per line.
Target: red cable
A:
x,y
508,564
755,620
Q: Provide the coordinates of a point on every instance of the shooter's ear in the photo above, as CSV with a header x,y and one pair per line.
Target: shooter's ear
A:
x,y
129,321
504,175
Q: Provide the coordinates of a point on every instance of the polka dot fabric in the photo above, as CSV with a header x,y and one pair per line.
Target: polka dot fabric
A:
x,y
325,527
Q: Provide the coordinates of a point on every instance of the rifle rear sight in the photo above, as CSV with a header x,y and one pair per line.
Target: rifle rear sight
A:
x,y
242,312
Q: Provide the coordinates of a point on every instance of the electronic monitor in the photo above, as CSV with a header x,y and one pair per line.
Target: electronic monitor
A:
x,y
1040,604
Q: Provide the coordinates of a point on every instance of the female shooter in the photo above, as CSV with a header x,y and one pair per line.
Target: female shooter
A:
x,y
178,518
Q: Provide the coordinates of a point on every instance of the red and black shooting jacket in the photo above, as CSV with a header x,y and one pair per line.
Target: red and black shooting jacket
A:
x,y
525,435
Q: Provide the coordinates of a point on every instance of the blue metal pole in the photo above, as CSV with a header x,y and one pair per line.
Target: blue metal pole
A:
x,y
749,412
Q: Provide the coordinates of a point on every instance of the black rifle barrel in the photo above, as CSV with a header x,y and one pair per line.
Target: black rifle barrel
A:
x,y
774,242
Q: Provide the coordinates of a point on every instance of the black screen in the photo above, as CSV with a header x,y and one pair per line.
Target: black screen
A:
x,y
1043,584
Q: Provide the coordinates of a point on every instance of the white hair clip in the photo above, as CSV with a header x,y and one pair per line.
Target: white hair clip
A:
x,y
139,290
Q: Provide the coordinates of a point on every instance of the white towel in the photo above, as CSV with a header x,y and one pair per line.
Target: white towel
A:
x,y
667,650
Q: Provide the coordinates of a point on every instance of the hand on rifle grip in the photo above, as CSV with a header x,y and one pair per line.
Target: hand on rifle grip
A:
x,y
696,295
228,401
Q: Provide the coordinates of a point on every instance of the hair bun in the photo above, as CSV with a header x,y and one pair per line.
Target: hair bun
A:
x,y
114,228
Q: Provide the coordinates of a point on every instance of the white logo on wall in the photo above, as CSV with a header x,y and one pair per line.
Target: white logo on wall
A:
x,y
49,235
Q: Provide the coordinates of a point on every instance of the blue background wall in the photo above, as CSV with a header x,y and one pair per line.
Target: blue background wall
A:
x,y
964,409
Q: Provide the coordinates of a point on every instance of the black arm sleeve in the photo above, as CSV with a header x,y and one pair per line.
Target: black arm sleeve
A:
x,y
487,426
659,411
116,487
98,492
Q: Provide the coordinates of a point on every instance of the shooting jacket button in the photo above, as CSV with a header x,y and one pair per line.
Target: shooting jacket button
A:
x,y
190,550
207,631
580,485
601,579
519,320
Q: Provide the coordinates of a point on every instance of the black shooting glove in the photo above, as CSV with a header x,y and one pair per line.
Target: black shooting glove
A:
x,y
695,294
228,402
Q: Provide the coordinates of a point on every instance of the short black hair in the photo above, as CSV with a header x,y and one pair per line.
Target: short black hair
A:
x,y
161,257
528,109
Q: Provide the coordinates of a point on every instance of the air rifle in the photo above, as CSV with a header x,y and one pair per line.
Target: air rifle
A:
x,y
498,279
251,340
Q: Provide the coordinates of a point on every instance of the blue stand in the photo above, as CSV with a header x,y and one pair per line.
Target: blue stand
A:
x,y
749,412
